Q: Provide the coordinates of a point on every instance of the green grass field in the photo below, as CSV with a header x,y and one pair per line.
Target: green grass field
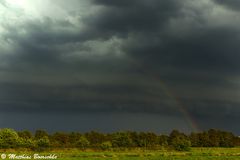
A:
x,y
194,154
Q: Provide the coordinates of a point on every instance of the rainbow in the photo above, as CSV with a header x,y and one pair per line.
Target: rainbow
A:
x,y
189,119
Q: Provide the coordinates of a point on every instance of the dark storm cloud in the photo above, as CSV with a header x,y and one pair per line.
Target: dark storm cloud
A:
x,y
138,56
146,23
80,98
107,99
124,17
208,49
49,43
232,4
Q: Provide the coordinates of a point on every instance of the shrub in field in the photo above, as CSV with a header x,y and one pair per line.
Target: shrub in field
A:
x,y
106,145
43,142
163,140
181,144
148,139
74,137
82,142
121,139
213,138
8,138
26,143
95,138
25,134
179,141
60,139
40,134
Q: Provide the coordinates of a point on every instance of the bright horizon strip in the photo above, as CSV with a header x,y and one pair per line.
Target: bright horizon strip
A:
x,y
190,120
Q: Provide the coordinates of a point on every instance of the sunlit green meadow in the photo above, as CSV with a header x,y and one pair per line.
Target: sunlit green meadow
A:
x,y
194,154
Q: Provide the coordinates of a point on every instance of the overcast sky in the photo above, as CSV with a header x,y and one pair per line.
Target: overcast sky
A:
x,y
108,65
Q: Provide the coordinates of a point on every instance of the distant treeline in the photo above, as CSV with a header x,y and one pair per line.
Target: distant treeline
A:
x,y
10,138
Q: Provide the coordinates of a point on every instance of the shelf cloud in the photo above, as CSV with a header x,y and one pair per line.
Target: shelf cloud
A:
x,y
103,57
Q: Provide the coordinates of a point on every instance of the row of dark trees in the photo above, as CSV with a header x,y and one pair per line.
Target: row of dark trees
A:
x,y
10,138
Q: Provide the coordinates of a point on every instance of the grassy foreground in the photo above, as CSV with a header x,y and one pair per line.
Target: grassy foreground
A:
x,y
194,154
